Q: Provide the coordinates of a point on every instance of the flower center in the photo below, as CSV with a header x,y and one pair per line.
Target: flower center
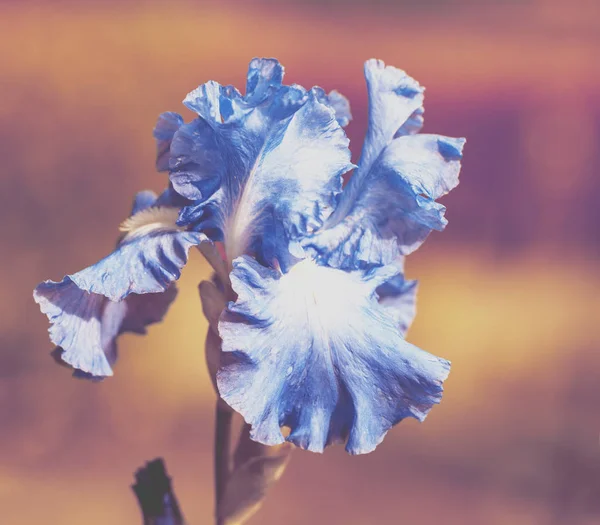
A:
x,y
324,295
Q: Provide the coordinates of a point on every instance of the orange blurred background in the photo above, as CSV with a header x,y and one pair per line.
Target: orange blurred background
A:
x,y
510,292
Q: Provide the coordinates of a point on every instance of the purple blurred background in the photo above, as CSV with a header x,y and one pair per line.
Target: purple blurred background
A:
x,y
510,292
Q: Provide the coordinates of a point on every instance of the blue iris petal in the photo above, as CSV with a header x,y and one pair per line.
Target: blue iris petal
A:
x,y
314,350
338,102
144,264
341,106
197,166
388,207
264,76
399,296
215,103
391,209
148,259
394,99
89,309
276,169
86,325
166,126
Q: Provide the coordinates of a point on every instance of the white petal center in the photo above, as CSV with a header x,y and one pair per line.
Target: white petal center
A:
x,y
325,296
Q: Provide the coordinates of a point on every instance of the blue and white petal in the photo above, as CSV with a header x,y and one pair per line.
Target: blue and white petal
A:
x,y
391,209
212,296
143,263
166,126
142,200
314,350
265,76
225,104
341,106
394,99
338,102
86,325
89,309
267,169
149,256
399,296
216,104
197,167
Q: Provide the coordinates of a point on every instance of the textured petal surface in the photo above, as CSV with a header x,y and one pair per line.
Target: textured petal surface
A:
x,y
166,126
270,171
143,264
399,296
264,167
314,350
86,325
341,106
89,309
149,257
394,99
392,209
338,102
197,165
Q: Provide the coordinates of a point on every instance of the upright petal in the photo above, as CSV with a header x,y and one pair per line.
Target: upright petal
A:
x,y
392,209
264,168
216,104
264,77
394,98
341,106
315,351
197,163
271,170
338,102
166,126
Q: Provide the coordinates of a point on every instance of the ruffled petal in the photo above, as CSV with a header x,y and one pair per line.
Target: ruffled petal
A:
x,y
166,126
264,78
86,325
394,99
89,309
143,264
197,164
224,104
268,170
264,168
399,296
338,102
150,255
315,351
341,106
392,209
216,104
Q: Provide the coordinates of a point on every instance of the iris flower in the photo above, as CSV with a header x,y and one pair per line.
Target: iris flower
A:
x,y
309,298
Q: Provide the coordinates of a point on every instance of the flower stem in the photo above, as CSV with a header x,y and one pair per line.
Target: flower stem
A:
x,y
222,446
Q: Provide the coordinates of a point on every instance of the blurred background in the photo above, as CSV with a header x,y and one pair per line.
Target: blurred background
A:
x,y
510,292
